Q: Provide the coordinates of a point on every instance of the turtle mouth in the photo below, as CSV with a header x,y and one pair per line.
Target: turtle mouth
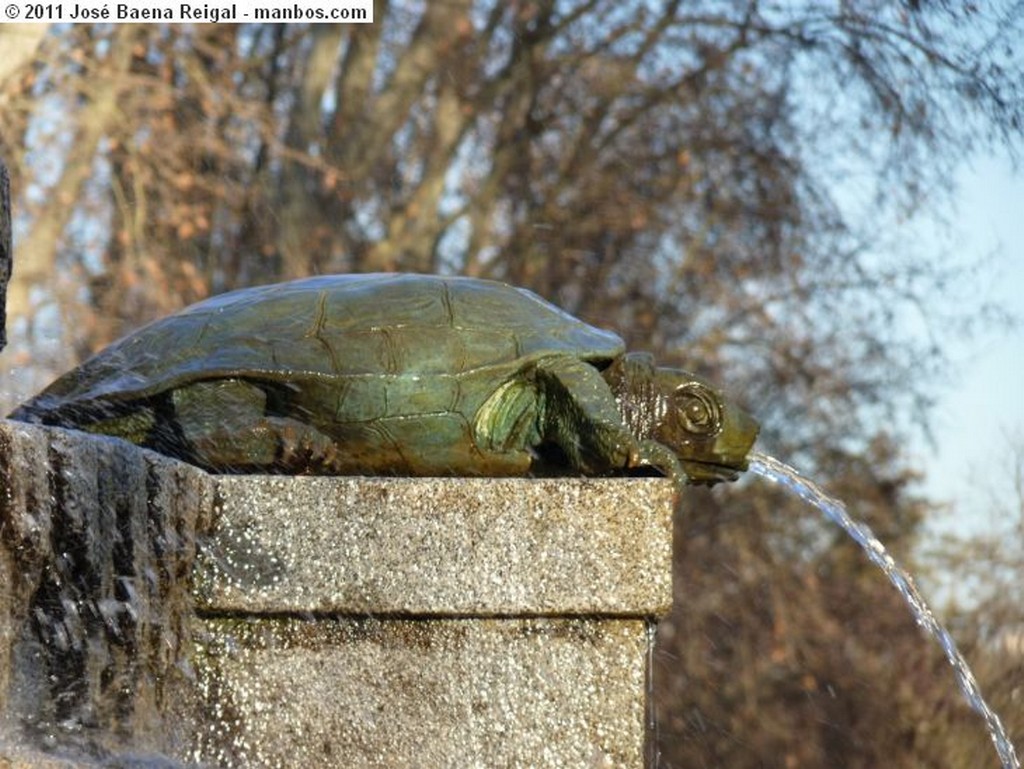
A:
x,y
710,473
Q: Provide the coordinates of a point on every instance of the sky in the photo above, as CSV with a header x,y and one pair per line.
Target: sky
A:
x,y
984,406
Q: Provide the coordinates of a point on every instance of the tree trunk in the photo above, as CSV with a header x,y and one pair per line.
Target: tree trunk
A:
x,y
99,113
19,43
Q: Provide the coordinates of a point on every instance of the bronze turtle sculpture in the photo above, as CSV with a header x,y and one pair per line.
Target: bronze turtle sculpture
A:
x,y
397,374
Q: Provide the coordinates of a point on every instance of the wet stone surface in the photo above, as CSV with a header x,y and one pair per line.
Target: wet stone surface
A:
x,y
97,542
153,615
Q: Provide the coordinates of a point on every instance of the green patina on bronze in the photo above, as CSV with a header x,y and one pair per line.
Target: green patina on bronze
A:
x,y
400,375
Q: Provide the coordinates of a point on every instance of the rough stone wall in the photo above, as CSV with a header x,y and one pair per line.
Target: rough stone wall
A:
x,y
97,543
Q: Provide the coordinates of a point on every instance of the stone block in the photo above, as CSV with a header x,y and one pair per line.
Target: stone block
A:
x,y
439,546
97,540
361,693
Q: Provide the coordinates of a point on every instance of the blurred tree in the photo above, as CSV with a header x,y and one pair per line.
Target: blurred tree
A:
x,y
667,169
20,43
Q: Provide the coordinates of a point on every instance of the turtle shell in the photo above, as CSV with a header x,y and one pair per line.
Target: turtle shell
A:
x,y
364,328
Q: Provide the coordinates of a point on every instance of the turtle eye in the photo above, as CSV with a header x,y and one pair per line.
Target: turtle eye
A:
x,y
698,409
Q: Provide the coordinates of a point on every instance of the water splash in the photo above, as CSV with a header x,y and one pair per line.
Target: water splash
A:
x,y
779,472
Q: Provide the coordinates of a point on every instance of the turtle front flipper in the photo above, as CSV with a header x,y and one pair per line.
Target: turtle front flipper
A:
x,y
664,460
580,416
225,428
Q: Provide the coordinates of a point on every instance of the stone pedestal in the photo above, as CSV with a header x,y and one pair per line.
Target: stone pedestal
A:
x,y
425,692
351,622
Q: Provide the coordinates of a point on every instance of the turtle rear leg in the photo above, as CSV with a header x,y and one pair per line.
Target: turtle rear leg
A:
x,y
225,427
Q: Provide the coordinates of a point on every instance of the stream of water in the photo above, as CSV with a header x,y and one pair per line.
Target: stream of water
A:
x,y
779,472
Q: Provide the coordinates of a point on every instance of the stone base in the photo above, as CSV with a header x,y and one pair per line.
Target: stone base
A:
x,y
431,693
147,607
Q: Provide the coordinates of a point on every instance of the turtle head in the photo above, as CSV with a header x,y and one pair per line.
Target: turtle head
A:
x,y
710,435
